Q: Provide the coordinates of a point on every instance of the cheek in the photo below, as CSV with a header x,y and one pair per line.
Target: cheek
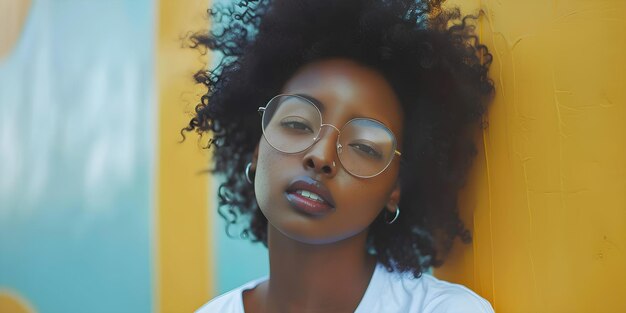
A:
x,y
268,181
365,199
361,203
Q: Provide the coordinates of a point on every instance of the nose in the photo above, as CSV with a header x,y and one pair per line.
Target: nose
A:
x,y
322,155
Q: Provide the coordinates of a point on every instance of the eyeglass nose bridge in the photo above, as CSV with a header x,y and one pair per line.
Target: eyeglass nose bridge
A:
x,y
319,135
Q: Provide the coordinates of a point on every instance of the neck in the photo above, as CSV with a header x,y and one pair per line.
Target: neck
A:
x,y
317,278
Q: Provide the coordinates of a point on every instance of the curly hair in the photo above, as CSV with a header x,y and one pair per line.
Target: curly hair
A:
x,y
431,57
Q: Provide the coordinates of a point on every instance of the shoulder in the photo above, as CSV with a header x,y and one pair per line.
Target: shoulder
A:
x,y
446,297
230,302
428,294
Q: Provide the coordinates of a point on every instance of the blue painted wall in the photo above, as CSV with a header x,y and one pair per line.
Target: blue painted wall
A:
x,y
76,157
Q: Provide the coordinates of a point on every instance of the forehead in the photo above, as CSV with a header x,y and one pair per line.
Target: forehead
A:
x,y
348,90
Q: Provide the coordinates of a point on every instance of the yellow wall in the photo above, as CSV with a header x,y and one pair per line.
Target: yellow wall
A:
x,y
182,240
547,200
12,302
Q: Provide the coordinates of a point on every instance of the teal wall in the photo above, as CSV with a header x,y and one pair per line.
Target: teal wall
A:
x,y
76,156
238,260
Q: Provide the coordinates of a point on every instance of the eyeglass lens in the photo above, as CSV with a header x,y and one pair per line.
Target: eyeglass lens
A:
x,y
291,124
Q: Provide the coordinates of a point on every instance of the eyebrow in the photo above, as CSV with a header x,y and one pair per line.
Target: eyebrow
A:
x,y
320,106
316,102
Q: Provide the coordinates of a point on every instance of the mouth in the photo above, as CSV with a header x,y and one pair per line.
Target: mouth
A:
x,y
309,196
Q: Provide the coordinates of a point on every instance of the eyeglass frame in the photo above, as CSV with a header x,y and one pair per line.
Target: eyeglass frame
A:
x,y
317,137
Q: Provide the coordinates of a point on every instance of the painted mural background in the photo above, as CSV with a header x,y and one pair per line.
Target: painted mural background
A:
x,y
76,157
103,209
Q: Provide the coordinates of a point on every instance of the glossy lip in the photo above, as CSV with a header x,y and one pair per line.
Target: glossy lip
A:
x,y
305,204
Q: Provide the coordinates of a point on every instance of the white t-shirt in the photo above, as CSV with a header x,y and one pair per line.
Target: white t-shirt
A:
x,y
386,292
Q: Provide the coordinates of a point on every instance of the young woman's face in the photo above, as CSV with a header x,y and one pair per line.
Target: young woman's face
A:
x,y
346,90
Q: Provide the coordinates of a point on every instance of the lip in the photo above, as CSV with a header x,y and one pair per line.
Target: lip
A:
x,y
306,205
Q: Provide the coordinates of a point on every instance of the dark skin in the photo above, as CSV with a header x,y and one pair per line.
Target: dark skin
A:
x,y
320,264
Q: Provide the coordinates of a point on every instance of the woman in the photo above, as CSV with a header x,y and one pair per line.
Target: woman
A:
x,y
344,129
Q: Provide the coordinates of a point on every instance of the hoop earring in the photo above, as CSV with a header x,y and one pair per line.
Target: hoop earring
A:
x,y
395,217
249,179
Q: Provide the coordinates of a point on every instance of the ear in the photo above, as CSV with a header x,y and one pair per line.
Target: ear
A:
x,y
394,199
255,156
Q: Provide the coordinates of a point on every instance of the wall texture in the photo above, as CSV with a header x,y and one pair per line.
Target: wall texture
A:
x,y
76,158
547,197
98,200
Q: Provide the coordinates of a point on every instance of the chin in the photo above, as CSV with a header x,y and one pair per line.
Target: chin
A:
x,y
312,233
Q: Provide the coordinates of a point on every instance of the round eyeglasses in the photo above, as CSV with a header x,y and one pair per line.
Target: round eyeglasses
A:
x,y
293,123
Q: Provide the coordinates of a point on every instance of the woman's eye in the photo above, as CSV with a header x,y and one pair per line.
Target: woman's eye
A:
x,y
295,125
366,149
